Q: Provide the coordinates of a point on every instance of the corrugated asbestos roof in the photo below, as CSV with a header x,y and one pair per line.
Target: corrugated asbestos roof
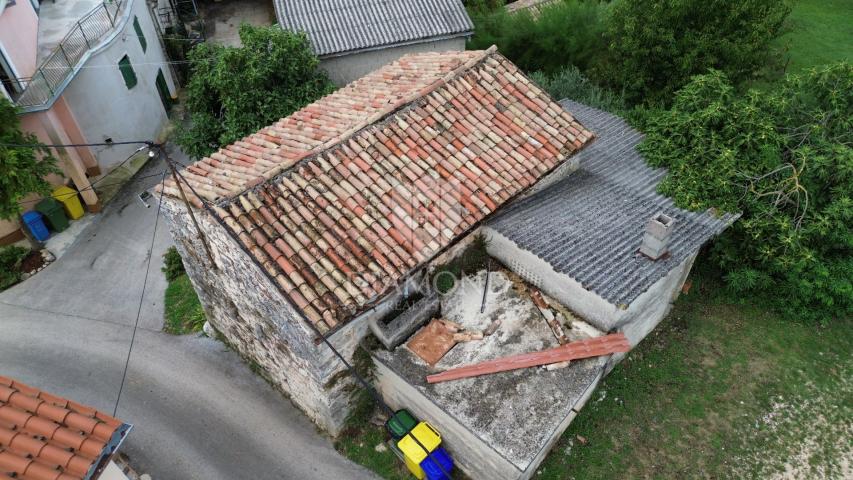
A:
x,y
363,192
45,437
338,26
590,224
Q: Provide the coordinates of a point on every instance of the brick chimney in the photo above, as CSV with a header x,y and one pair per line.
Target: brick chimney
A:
x,y
656,239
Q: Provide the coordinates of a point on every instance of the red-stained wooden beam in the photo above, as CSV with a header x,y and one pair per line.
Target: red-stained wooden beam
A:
x,y
591,347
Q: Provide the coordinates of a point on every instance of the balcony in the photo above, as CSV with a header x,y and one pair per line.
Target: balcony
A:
x,y
58,56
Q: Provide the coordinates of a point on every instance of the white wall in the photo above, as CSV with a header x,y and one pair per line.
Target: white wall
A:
x,y
636,319
102,104
346,68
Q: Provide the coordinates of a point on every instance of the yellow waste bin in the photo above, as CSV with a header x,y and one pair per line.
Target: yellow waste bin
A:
x,y
68,197
413,453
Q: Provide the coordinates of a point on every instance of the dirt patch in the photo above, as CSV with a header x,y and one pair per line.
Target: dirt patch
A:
x,y
32,262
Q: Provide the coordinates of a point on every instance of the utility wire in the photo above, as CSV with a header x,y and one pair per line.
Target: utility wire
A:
x,y
76,145
141,301
92,187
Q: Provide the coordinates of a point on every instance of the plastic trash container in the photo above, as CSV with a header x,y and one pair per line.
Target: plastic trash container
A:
x,y
53,213
430,465
401,423
35,225
68,197
414,452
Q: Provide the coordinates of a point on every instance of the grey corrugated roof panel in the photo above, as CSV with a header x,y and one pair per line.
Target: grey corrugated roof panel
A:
x,y
338,26
590,224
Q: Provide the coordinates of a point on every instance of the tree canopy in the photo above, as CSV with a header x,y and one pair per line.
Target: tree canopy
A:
x,y
785,159
22,169
235,91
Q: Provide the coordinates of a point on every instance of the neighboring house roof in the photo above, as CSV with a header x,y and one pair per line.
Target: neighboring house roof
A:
x,y
590,224
533,6
384,174
43,436
339,26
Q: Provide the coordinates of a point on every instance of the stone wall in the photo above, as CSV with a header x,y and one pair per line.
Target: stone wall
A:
x,y
254,317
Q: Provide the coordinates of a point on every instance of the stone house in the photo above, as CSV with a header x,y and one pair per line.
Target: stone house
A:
x,y
315,222
354,37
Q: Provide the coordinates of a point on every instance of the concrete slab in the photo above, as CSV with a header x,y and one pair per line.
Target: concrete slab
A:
x,y
56,19
512,417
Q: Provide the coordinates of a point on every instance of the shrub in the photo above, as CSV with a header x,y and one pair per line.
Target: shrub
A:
x,y
10,261
173,264
570,83
783,158
564,33
655,46
236,91
22,170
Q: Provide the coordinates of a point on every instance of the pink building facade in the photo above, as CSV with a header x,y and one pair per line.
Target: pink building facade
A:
x,y
99,76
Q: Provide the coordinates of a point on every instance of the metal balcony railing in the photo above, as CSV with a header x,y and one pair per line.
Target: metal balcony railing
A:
x,y
60,64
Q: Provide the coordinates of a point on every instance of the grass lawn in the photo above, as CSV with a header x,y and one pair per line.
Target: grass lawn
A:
x,y
821,33
719,391
183,309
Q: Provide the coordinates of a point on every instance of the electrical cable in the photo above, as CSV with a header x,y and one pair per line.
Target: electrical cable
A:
x,y
141,301
75,145
101,186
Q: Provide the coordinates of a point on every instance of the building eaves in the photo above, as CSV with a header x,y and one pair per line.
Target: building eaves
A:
x,y
43,436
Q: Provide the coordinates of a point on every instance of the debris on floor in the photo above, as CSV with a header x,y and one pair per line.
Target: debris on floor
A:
x,y
467,336
593,347
554,321
432,342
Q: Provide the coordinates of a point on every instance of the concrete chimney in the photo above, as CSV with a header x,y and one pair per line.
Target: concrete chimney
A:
x,y
656,238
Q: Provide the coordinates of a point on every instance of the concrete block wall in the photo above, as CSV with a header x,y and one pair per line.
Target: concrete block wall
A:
x,y
343,69
255,318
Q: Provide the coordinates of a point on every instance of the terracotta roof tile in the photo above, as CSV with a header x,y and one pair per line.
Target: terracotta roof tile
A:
x,y
43,436
348,195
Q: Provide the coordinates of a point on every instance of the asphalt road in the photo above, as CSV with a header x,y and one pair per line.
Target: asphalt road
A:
x,y
198,411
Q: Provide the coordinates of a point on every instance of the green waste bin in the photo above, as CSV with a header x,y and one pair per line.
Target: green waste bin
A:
x,y
401,423
54,213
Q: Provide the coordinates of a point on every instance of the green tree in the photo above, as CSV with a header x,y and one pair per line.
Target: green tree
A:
x,y
564,33
785,159
657,45
236,91
22,169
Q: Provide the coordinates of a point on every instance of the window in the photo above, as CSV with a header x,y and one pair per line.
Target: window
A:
x,y
163,90
139,34
7,77
127,72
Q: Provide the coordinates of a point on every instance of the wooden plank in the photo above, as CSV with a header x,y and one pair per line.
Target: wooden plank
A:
x,y
591,347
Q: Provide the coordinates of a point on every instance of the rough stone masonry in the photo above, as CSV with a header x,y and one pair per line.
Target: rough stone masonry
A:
x,y
254,318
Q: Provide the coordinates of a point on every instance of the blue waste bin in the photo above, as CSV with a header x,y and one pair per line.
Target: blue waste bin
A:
x,y
431,463
35,224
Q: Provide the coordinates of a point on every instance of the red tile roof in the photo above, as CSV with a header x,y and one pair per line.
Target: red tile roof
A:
x,y
45,437
372,181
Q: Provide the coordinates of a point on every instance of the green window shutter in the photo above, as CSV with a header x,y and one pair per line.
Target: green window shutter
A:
x,y
127,72
139,34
